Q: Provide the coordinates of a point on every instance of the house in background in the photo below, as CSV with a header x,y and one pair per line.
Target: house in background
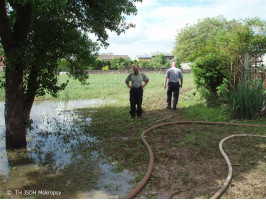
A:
x,y
143,58
2,66
110,56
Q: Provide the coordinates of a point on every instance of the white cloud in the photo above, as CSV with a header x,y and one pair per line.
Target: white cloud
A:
x,y
157,22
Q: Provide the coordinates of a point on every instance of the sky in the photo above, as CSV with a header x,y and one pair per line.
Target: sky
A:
x,y
158,21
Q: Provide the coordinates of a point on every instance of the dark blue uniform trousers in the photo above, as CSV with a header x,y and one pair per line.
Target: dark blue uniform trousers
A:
x,y
173,88
136,95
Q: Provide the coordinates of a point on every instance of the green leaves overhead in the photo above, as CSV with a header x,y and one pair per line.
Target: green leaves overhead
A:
x,y
60,30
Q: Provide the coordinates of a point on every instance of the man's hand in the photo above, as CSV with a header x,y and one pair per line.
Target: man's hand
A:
x,y
144,85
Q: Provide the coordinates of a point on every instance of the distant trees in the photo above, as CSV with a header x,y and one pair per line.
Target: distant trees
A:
x,y
120,63
159,61
144,64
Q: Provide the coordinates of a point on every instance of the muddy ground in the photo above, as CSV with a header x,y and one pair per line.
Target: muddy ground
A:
x,y
188,163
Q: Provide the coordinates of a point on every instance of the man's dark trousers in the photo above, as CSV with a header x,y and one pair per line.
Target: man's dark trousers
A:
x,y
173,88
136,95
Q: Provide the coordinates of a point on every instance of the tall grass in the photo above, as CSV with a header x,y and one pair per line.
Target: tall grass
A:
x,y
247,100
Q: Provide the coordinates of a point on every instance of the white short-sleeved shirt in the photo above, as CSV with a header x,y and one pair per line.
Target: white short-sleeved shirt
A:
x,y
174,74
135,79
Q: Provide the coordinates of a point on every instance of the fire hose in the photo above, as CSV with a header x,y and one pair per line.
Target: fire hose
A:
x,y
227,182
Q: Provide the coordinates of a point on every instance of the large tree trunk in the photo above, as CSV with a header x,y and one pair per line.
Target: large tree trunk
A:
x,y
14,110
12,39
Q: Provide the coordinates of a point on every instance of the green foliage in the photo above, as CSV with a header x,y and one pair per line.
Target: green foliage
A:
x,y
143,64
120,63
209,72
1,49
58,32
178,63
195,40
218,48
99,64
245,36
63,65
247,100
159,61
105,68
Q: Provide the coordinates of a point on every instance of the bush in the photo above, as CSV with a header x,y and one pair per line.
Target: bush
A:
x,y
247,100
209,72
105,68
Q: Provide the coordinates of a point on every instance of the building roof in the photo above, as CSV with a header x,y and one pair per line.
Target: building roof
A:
x,y
111,56
143,56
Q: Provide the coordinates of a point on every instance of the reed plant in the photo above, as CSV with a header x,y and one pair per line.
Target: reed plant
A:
x,y
247,100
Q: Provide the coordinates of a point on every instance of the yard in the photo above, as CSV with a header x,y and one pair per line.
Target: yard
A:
x,y
188,163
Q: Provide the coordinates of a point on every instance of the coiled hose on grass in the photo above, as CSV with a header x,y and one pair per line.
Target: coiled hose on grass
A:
x,y
221,191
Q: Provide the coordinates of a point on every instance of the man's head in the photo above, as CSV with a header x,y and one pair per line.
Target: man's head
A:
x,y
136,69
173,64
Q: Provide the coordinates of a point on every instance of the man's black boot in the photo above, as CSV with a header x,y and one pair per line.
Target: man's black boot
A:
x,y
168,104
174,106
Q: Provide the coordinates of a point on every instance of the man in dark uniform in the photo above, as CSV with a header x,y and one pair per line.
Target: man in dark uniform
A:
x,y
175,82
136,90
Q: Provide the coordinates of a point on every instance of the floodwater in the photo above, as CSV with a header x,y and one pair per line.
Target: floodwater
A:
x,y
60,161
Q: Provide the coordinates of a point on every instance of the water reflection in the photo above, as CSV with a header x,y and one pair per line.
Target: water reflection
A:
x,y
58,142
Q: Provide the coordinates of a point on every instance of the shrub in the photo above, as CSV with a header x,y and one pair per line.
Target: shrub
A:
x,y
247,100
105,68
209,72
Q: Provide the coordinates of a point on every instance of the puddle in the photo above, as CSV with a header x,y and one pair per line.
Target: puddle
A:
x,y
60,157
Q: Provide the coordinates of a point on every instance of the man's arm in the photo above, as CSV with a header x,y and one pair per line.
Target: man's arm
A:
x,y
146,82
165,80
129,86
181,83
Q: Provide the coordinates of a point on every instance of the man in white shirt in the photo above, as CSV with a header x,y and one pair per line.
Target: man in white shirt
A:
x,y
175,81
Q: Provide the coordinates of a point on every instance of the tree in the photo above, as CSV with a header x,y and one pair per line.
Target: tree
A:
x,y
36,34
159,61
244,37
191,41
